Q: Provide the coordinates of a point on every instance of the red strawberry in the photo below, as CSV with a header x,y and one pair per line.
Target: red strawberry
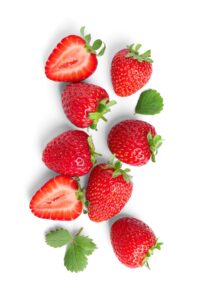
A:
x,y
130,71
133,242
58,199
108,190
71,153
84,104
73,59
134,142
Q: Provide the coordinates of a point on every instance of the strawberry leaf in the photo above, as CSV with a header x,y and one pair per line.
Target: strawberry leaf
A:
x,y
85,244
79,247
58,238
97,44
75,259
150,103
101,52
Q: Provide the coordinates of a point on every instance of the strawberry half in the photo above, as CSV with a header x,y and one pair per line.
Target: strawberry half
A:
x,y
74,59
58,199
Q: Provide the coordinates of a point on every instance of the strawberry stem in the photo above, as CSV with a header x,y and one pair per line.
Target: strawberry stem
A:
x,y
97,44
134,53
79,232
103,108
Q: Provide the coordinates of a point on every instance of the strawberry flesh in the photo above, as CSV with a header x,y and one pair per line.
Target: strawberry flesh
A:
x,y
70,61
57,200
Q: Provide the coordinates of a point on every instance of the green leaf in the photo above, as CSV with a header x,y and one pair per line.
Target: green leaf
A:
x,y
101,52
96,45
58,238
85,244
88,38
82,31
75,259
150,103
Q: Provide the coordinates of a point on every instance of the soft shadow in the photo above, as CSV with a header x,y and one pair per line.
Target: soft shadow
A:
x,y
111,50
58,34
61,86
40,180
108,126
54,132
119,216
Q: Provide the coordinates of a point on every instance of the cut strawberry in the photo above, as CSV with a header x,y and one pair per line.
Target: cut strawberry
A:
x,y
73,59
58,199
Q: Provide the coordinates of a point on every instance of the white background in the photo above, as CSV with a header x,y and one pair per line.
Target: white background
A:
x,y
166,194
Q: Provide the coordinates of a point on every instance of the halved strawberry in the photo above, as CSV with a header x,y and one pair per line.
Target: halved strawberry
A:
x,y
58,199
73,59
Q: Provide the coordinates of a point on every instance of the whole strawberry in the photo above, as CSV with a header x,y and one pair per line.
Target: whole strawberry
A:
x,y
134,142
71,153
74,58
108,190
133,242
130,71
85,104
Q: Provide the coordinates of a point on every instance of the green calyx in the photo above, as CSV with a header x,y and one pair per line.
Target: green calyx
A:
x,y
103,108
80,194
134,53
97,44
154,143
117,165
150,253
93,154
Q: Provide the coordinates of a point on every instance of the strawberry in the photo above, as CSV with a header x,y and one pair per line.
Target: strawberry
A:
x,y
134,142
130,71
71,153
108,190
133,242
74,59
58,199
84,104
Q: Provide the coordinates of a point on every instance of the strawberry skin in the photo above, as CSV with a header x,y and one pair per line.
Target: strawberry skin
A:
x,y
106,195
69,153
128,141
131,240
70,61
81,99
57,200
128,73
